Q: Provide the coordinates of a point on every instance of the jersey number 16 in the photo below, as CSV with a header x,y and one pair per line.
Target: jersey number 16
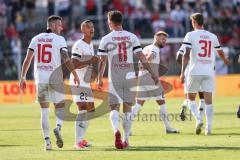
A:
x,y
43,55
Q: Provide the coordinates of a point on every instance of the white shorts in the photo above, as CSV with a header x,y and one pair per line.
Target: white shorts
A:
x,y
198,83
147,89
83,93
120,92
47,94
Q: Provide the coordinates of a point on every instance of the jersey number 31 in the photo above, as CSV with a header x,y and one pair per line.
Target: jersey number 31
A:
x,y
206,48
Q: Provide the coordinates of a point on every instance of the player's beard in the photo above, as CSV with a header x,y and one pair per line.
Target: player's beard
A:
x,y
161,46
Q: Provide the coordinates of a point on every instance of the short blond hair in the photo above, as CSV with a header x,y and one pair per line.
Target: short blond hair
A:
x,y
161,33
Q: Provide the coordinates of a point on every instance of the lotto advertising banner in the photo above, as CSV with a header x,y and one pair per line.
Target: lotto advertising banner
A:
x,y
10,92
225,86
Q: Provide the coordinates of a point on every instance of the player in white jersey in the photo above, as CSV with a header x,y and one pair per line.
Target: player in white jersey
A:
x,y
82,51
200,56
48,49
118,47
200,94
145,82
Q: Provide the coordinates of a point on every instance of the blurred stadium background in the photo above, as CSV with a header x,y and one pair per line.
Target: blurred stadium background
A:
x,y
20,20
20,134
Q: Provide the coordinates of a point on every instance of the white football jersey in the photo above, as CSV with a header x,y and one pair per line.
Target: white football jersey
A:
x,y
155,60
203,45
181,50
46,48
81,50
119,46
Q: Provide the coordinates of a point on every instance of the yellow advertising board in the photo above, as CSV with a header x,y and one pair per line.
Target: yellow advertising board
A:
x,y
10,92
227,85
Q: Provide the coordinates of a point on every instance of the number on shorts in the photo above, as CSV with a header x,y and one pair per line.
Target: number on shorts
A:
x,y
83,96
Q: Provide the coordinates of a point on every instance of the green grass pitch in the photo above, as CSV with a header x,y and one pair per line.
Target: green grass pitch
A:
x,y
21,137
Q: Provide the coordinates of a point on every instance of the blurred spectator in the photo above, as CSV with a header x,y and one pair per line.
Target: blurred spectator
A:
x,y
16,47
51,6
6,47
10,70
143,17
91,7
75,34
3,15
62,7
30,5
16,5
11,31
178,17
20,24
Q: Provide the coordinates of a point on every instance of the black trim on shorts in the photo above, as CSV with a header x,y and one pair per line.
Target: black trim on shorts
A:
x,y
181,51
217,47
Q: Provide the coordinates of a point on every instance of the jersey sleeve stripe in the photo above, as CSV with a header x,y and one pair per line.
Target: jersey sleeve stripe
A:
x,y
31,49
217,47
76,55
101,50
181,51
187,43
137,47
65,48
153,52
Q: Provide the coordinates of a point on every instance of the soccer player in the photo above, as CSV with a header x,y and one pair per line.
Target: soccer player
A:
x,y
82,52
48,49
200,94
200,56
152,53
118,47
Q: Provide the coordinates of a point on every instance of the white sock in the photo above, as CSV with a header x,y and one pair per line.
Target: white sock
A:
x,y
59,117
81,126
136,109
193,106
114,118
45,123
209,116
127,121
201,108
185,103
164,116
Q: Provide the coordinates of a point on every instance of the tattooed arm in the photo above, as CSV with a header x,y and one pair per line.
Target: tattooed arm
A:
x,y
65,58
